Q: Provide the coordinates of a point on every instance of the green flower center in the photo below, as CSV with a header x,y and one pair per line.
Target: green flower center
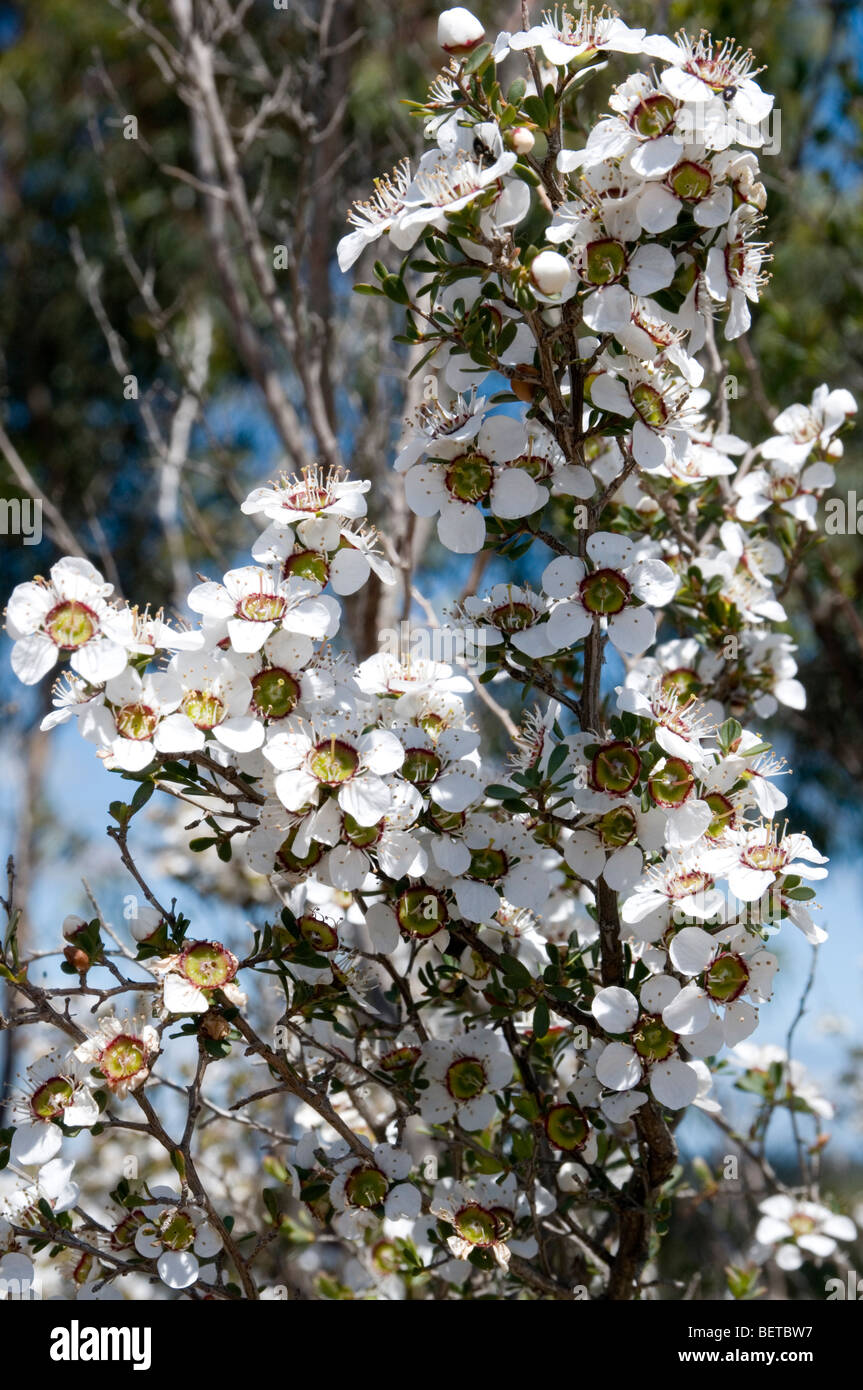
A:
x,y
764,857
366,1187
476,1225
690,181
469,477
333,762
362,835
649,404
421,911
261,608
723,815
605,262
400,1059
566,1127
176,1230
294,863
604,591
653,116
512,617
308,498
123,1058
682,885
386,1257
465,1079
275,693
615,767
207,965
136,721
204,708
727,978
307,564
617,827
51,1098
783,489
446,821
420,766
735,262
652,1040
801,1224
320,935
535,464
683,681
671,785
488,864
71,625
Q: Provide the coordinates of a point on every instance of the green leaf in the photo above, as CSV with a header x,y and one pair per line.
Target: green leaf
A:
x,y
477,57
534,107
557,759
541,1019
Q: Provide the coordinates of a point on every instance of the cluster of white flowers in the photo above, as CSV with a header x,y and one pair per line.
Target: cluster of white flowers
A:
x,y
605,885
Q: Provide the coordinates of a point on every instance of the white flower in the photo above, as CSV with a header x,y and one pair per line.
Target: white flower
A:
x,y
122,1050
254,603
323,550
385,673
650,1056
318,492
785,484
277,675
191,977
802,428
378,215
494,469
607,591
481,1213
125,724
332,756
446,184
505,861
798,1228
563,36
68,614
360,1189
56,1087
177,1236
669,700
464,1072
758,856
703,71
660,404
729,966
734,275
683,881
216,700
509,614
53,1185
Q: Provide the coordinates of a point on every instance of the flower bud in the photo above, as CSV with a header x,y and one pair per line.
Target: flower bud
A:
x,y
550,272
72,925
835,449
459,31
77,958
146,924
214,1025
522,139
